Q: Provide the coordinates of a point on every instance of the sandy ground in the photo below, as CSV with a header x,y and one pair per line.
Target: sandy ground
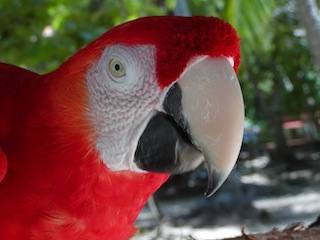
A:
x,y
269,196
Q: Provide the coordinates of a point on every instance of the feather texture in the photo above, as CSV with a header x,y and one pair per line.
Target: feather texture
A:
x,y
54,184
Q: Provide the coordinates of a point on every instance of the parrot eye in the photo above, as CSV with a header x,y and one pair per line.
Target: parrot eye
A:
x,y
116,68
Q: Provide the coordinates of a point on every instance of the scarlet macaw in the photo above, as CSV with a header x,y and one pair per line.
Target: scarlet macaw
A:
x,y
83,147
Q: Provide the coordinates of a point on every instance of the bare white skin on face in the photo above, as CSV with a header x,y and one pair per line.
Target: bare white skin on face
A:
x,y
123,94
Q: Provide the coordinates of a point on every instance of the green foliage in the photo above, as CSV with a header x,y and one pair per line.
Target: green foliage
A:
x,y
40,34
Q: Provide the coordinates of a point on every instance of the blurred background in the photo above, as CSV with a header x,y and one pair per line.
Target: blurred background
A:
x,y
276,180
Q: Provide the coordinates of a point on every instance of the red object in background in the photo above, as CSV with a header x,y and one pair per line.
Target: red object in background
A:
x,y
292,124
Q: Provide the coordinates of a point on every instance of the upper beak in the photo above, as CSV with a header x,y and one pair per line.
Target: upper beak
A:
x,y
203,120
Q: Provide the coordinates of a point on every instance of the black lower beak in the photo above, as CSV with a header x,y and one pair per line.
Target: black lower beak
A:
x,y
165,145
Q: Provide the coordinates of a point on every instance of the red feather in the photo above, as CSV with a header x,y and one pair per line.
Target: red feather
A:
x,y
55,185
177,40
3,165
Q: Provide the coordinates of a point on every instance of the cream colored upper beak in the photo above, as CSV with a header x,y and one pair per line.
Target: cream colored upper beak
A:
x,y
213,105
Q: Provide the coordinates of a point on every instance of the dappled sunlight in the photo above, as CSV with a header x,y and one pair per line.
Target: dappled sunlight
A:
x,y
257,179
276,201
186,232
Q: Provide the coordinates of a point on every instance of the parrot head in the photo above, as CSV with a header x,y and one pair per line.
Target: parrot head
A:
x,y
160,95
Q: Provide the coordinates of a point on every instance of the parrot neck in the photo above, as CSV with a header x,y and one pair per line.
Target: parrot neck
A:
x,y
73,192
113,200
108,202
127,194
67,190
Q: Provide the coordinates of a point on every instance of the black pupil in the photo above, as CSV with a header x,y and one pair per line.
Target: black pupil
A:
x,y
117,67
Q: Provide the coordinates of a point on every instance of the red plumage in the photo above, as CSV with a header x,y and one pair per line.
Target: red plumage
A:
x,y
177,40
55,186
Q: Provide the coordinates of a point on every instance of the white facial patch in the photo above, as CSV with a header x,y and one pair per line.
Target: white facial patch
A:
x,y
121,104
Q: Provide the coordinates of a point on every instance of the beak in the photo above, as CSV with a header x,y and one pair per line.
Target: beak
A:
x,y
202,121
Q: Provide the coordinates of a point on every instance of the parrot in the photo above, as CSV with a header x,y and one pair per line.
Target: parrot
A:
x,y
83,147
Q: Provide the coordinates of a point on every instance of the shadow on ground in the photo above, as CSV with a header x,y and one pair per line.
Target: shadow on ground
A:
x,y
259,195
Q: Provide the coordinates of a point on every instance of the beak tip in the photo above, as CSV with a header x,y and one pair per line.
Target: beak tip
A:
x,y
215,180
213,185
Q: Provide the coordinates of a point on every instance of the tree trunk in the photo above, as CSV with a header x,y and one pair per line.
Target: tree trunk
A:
x,y
269,109
309,17
276,113
95,5
182,8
